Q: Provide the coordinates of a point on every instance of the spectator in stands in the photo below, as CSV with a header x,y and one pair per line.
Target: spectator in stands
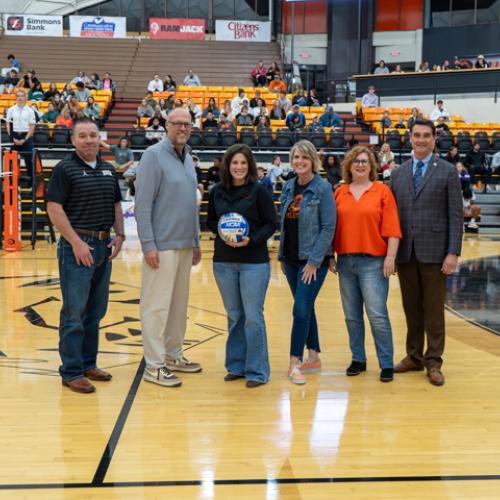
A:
x,y
162,103
313,98
228,110
74,108
381,68
457,64
124,156
156,84
481,62
94,83
14,62
238,101
169,103
38,113
397,70
330,119
453,157
150,100
108,83
272,71
36,93
386,121
64,118
191,79
213,173
296,120
277,113
385,156
157,114
259,75
211,108
413,117
285,103
475,162
263,179
199,174
259,109
244,118
144,110
194,111
274,171
224,124
472,212
262,122
386,174
495,163
333,168
463,175
441,126
81,92
424,67
300,98
50,92
67,93
58,102
438,111
400,123
9,82
352,142
277,84
446,65
315,125
370,100
93,110
169,84
30,80
155,132
50,116
81,77
258,95
210,121
436,67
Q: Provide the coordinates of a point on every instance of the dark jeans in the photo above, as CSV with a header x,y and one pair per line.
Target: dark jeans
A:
x,y
25,152
85,292
305,326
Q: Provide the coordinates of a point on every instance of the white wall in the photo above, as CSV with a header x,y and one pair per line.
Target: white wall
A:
x,y
314,45
407,43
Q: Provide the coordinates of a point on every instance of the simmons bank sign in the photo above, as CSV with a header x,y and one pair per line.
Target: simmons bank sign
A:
x,y
161,28
243,31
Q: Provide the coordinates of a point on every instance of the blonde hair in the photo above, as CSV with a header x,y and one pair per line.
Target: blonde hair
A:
x,y
307,149
351,156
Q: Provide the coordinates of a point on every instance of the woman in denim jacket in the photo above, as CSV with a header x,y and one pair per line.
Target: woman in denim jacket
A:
x,y
308,218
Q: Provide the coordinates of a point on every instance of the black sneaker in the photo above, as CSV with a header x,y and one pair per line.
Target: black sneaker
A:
x,y
387,375
355,368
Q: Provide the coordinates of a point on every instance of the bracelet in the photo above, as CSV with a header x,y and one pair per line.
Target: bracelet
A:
x,y
121,236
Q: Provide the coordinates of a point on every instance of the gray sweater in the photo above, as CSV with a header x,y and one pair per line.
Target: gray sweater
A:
x,y
166,207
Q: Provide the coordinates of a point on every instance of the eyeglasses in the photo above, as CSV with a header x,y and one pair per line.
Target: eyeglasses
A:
x,y
185,125
360,162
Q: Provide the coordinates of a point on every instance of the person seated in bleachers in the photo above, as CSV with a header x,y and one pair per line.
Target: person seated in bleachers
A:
x,y
424,67
481,62
156,84
50,92
194,111
370,99
446,65
157,114
333,168
385,156
277,113
67,93
296,120
108,83
386,174
259,75
475,162
463,175
259,109
12,63
169,84
413,117
495,164
257,96
436,67
124,156
29,79
313,98
191,79
238,101
400,123
397,70
457,64
211,108
262,122
244,118
441,126
315,126
272,70
95,82
75,109
453,157
93,111
64,118
300,98
228,110
81,93
472,212
225,124
36,93
9,82
386,121
155,131
210,121
439,111
144,110
150,100
57,102
285,103
277,85
38,113
165,106
50,116
213,173
381,68
81,77
330,119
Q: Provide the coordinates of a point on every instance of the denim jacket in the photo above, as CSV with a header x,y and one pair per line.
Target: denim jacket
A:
x,y
317,220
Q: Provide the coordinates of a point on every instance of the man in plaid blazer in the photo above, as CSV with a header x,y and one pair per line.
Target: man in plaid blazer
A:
x,y
429,197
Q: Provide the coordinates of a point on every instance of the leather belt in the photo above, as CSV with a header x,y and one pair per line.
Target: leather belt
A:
x,y
97,235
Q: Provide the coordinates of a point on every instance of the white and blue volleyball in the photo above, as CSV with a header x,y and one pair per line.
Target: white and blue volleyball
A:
x,y
233,227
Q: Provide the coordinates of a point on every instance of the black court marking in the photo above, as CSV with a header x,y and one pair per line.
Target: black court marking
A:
x,y
243,482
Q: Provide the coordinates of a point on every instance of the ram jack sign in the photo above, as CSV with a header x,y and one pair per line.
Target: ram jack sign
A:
x,y
98,27
32,25
243,31
161,28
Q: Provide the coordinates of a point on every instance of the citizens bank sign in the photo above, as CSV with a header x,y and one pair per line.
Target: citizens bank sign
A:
x,y
29,25
161,28
243,31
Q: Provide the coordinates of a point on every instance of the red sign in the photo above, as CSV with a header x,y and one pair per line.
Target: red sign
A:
x,y
162,28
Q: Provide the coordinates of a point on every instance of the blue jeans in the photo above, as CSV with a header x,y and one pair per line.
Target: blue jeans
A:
x,y
85,292
243,289
305,326
362,281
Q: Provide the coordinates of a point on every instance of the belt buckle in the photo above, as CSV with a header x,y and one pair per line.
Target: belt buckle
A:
x,y
101,235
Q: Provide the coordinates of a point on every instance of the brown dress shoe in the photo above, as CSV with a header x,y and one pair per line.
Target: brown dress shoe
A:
x,y
81,385
99,375
435,376
232,376
253,383
408,365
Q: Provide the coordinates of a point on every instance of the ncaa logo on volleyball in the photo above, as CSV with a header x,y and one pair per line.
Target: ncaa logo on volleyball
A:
x,y
233,227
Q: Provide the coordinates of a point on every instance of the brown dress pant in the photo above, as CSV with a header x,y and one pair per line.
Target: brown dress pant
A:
x,y
423,290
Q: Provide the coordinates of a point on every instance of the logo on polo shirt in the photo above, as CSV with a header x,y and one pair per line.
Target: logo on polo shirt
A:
x,y
107,172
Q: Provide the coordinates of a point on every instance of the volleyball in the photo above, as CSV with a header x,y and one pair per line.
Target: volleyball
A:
x,y
233,227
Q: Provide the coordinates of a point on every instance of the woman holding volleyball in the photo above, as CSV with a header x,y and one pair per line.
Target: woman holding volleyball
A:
x,y
241,263
308,220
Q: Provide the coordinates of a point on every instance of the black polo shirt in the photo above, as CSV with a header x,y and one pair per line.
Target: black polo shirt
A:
x,y
88,195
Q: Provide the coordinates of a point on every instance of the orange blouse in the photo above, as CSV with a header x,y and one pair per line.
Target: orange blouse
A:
x,y
363,226
64,121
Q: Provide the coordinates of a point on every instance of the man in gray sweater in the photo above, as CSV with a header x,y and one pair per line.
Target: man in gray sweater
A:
x,y
168,226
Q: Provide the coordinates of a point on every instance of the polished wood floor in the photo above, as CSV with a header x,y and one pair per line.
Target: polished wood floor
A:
x,y
336,437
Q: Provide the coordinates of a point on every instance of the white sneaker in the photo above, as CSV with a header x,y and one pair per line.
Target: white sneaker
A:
x,y
183,365
161,376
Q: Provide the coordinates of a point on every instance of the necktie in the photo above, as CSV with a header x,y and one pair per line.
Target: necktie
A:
x,y
418,176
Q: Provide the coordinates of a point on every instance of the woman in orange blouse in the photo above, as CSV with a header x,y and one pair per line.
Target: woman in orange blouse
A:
x,y
366,242
65,118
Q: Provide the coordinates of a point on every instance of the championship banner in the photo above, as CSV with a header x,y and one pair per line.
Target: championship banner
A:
x,y
98,27
243,31
32,25
162,28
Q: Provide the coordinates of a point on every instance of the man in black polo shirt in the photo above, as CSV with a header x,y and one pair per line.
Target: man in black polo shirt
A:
x,y
84,203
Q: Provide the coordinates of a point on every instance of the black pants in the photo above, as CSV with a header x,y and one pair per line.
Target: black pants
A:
x,y
25,152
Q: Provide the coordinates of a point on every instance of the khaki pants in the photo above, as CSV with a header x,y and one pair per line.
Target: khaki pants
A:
x,y
164,300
